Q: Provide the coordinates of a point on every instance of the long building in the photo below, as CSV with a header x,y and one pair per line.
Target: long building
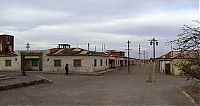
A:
x,y
55,60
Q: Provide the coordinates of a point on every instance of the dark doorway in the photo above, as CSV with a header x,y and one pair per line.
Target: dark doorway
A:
x,y
31,64
111,63
126,63
167,68
121,63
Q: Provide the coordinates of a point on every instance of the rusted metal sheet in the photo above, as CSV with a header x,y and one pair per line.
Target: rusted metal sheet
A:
x,y
6,44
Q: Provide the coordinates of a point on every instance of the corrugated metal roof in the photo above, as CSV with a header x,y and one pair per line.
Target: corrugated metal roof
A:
x,y
73,51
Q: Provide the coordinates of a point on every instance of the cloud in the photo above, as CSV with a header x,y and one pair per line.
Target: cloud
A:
x,y
46,23
26,17
148,24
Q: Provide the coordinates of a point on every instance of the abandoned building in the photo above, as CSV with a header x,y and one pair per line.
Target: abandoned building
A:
x,y
78,59
55,59
166,63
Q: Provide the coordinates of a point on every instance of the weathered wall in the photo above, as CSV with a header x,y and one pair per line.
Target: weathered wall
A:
x,y
87,63
176,70
15,63
173,69
162,66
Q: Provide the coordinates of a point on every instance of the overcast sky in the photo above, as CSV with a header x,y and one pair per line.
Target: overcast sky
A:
x,y
45,23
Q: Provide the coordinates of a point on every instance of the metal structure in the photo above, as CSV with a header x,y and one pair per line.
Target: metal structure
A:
x,y
27,46
144,56
139,56
88,47
23,64
6,44
154,43
147,57
128,56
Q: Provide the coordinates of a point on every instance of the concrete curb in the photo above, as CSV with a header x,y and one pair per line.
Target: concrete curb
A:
x,y
188,96
46,80
6,78
25,83
93,73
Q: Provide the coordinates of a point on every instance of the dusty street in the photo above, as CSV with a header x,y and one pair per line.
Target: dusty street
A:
x,y
113,88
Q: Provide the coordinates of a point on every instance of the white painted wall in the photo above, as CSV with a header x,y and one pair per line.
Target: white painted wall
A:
x,y
87,63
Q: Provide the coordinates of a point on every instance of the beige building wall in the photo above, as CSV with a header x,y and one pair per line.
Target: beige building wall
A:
x,y
15,63
162,66
117,61
87,63
173,69
176,70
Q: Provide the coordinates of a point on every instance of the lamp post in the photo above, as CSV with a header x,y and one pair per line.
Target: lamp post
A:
x,y
154,43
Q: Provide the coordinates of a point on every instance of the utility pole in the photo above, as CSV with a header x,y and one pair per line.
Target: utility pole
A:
x,y
147,57
144,56
139,56
95,48
102,47
23,64
154,43
128,56
88,46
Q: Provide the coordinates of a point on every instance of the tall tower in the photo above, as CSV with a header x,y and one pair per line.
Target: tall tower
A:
x,y
6,44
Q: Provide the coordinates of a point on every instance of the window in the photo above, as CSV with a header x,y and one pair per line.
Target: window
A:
x,y
7,63
106,62
77,63
57,63
95,62
101,62
35,63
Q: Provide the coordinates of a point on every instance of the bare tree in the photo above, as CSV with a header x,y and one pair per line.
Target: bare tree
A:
x,y
188,43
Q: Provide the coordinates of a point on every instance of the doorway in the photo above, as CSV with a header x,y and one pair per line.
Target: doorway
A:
x,y
167,68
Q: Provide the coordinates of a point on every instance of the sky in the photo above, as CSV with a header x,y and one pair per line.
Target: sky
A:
x,y
46,23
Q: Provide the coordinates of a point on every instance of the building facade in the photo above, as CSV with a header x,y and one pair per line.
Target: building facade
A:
x,y
166,63
55,59
78,60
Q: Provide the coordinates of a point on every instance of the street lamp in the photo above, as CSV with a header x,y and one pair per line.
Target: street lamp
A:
x,y
154,43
